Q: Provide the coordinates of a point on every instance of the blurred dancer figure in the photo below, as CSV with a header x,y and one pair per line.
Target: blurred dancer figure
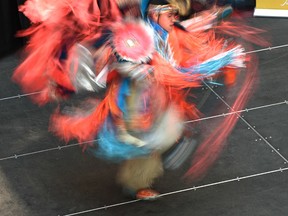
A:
x,y
139,60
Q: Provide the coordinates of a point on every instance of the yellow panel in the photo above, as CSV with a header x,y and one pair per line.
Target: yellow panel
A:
x,y
272,4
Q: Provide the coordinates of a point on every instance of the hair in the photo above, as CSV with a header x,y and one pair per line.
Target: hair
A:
x,y
160,9
183,6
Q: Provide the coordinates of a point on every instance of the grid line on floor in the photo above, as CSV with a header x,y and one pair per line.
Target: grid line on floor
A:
x,y
237,179
247,123
16,156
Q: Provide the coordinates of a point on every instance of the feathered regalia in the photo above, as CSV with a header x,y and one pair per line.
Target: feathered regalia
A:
x,y
139,75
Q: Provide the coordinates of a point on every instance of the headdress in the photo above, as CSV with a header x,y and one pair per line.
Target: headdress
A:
x,y
160,9
162,6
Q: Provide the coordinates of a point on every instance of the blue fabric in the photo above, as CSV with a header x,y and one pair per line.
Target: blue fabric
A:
x,y
160,40
143,8
162,32
210,67
124,91
110,148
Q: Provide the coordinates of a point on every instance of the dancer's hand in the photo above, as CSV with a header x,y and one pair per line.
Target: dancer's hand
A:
x,y
125,137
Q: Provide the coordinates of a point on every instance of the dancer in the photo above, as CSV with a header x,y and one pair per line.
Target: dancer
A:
x,y
138,174
133,55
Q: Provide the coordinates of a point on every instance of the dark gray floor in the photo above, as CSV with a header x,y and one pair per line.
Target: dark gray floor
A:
x,y
250,178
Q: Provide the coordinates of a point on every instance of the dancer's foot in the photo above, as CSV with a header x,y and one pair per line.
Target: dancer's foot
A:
x,y
147,194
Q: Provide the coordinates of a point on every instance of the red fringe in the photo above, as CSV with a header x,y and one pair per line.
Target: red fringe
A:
x,y
85,127
248,33
43,70
209,151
